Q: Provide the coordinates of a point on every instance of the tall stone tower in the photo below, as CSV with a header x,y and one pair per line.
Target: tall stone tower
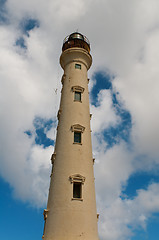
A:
x,y
71,209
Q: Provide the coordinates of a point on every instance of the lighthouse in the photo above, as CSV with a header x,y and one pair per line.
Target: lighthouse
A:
x,y
71,208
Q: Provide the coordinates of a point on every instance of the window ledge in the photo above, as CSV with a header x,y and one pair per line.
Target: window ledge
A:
x,y
78,199
77,143
77,101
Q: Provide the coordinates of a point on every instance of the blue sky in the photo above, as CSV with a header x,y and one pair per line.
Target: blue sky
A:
x,y
123,100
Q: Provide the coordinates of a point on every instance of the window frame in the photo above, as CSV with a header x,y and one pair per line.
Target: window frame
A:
x,y
77,96
77,190
77,135
77,89
74,179
77,128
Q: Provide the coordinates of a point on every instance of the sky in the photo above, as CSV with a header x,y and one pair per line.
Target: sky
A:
x,y
124,102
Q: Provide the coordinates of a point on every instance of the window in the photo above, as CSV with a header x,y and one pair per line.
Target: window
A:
x,y
77,96
77,181
77,66
78,90
77,190
77,137
78,130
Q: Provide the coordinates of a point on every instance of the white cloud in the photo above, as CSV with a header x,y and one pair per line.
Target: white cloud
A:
x,y
104,114
124,38
139,92
112,171
39,164
51,133
117,218
24,87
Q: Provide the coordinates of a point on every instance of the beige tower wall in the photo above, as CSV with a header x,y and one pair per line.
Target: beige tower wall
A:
x,y
68,218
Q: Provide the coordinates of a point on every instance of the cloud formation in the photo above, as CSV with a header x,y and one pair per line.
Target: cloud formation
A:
x,y
124,38
117,218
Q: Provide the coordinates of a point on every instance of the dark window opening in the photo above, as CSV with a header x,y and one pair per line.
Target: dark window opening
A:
x,y
77,96
77,137
77,190
78,66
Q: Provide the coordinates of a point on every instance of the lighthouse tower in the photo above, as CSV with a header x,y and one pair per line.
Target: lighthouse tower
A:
x,y
71,209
